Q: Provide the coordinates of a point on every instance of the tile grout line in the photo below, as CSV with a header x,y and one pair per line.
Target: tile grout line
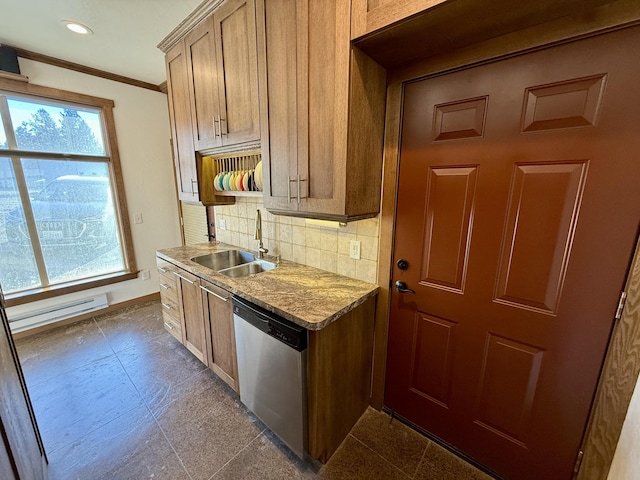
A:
x,y
424,452
376,453
236,455
147,407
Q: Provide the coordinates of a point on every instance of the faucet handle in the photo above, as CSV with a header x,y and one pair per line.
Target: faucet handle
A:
x,y
278,258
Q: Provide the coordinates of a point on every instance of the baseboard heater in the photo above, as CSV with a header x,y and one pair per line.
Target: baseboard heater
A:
x,y
56,313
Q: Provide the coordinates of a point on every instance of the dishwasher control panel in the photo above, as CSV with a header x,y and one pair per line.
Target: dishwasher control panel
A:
x,y
273,325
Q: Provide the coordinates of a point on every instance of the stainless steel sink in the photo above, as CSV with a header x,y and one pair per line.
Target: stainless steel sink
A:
x,y
247,269
222,260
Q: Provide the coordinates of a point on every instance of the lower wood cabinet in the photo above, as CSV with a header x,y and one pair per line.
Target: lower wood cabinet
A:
x,y
194,336
218,320
200,315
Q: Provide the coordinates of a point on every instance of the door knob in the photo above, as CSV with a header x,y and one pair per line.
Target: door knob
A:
x,y
402,287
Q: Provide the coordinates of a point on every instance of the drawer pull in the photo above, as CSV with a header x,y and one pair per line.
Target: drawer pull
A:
x,y
168,307
163,270
214,294
184,278
168,325
165,286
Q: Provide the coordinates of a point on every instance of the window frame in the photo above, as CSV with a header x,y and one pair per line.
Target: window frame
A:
x,y
112,158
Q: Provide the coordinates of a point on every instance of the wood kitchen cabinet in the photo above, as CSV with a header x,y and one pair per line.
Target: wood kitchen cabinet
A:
x,y
200,316
184,155
194,332
322,112
212,86
221,341
371,15
169,299
222,77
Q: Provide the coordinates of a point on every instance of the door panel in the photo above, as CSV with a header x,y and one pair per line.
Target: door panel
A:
x,y
22,453
517,214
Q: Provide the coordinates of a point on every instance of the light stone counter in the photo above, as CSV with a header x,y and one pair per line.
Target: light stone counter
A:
x,y
305,295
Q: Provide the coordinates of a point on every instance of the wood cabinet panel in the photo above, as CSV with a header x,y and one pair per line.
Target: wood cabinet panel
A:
x,y
237,72
202,78
221,340
372,15
339,383
181,131
191,309
311,78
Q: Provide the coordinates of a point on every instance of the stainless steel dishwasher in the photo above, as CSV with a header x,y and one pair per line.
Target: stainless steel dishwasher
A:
x,y
272,371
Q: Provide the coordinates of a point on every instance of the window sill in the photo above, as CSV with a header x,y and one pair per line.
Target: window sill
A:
x,y
27,296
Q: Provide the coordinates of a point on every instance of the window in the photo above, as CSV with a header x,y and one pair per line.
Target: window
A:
x,y
61,227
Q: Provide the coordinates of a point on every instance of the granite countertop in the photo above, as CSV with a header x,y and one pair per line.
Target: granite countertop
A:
x,y
307,296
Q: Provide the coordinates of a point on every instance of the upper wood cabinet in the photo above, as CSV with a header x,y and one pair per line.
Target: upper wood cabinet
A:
x,y
222,77
212,85
184,155
322,112
371,15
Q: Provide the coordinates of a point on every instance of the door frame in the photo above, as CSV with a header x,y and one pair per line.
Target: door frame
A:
x,y
621,366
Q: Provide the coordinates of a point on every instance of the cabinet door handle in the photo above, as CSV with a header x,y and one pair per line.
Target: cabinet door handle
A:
x,y
193,192
216,127
299,194
290,179
168,307
214,294
184,278
163,270
168,325
165,286
224,131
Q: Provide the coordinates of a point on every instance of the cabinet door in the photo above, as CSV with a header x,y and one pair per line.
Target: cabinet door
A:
x,y
236,52
203,80
180,115
218,312
277,62
191,308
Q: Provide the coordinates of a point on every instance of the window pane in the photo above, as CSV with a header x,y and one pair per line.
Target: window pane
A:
x,y
18,269
75,218
48,127
3,136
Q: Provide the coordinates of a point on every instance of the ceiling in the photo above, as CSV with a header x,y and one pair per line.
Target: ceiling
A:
x,y
125,36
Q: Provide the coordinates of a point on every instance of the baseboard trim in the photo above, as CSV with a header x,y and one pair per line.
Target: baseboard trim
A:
x,y
68,321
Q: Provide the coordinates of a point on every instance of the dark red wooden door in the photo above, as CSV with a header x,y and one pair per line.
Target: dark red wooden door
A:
x,y
517,214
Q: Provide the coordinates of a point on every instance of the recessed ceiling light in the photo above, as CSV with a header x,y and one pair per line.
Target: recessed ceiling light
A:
x,y
77,27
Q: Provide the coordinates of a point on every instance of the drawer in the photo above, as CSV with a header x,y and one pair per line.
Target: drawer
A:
x,y
170,306
168,287
165,267
172,326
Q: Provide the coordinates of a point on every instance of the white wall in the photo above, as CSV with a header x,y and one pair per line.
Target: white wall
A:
x,y
142,127
626,464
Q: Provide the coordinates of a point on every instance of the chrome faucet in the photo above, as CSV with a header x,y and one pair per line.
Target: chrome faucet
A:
x,y
261,249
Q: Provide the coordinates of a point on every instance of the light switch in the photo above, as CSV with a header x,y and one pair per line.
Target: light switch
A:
x,y
137,218
223,224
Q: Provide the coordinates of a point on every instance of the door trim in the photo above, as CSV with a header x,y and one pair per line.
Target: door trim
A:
x,y
621,366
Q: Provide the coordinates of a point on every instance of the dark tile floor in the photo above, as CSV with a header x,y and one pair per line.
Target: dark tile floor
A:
x,y
116,397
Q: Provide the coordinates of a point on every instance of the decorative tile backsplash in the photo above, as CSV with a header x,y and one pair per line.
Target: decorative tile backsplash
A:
x,y
294,239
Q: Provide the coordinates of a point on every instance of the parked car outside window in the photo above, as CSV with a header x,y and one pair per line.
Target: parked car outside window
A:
x,y
71,211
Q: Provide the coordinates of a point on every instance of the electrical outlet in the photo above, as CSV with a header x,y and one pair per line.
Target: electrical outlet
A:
x,y
137,218
223,224
354,249
146,275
